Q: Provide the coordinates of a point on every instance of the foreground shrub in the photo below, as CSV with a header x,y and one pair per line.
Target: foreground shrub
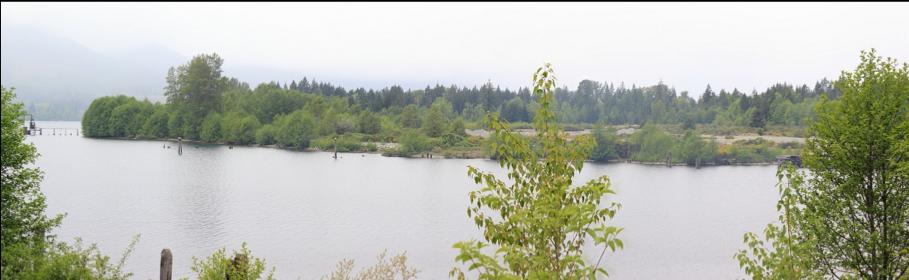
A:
x,y
241,265
385,268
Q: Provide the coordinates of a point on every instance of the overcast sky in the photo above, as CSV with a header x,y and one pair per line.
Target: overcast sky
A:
x,y
686,45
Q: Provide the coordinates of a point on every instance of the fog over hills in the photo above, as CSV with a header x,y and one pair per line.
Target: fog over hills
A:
x,y
57,78
69,53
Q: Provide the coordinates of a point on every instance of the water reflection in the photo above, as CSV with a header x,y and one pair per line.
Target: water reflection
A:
x,y
304,212
199,190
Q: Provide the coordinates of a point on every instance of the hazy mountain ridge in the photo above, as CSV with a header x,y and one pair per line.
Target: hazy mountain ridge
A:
x,y
57,78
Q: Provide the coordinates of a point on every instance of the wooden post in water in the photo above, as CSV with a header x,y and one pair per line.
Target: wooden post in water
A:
x,y
167,264
697,163
669,160
180,146
336,148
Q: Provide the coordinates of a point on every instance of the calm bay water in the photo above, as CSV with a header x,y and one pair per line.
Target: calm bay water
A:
x,y
303,211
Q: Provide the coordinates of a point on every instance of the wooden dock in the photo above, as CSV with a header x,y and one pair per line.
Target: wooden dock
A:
x,y
32,129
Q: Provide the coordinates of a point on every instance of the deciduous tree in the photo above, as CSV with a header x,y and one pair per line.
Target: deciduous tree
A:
x,y
540,223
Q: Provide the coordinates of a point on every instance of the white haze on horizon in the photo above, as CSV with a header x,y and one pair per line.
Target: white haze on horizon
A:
x,y
685,45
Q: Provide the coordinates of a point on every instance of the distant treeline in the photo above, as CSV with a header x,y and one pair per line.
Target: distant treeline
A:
x,y
203,105
594,102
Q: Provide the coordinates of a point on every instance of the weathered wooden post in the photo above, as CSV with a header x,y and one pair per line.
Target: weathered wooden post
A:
x,y
167,264
669,160
180,146
336,148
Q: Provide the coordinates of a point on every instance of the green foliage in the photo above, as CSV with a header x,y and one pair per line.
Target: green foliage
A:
x,y
369,122
654,145
606,144
457,127
97,117
195,89
266,135
156,125
541,222
751,151
239,128
190,127
295,130
28,249
474,112
328,123
733,115
692,149
515,111
115,116
651,144
22,218
58,260
174,124
194,93
385,269
410,116
435,123
451,139
491,146
413,142
211,128
23,221
784,111
782,254
346,143
850,218
266,102
241,265
857,199
346,123
128,118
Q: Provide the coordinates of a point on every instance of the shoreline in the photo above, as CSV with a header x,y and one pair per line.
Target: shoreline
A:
x,y
433,154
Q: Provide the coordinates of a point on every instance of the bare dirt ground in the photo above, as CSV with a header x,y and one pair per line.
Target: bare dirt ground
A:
x,y
386,145
627,130
777,139
622,130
